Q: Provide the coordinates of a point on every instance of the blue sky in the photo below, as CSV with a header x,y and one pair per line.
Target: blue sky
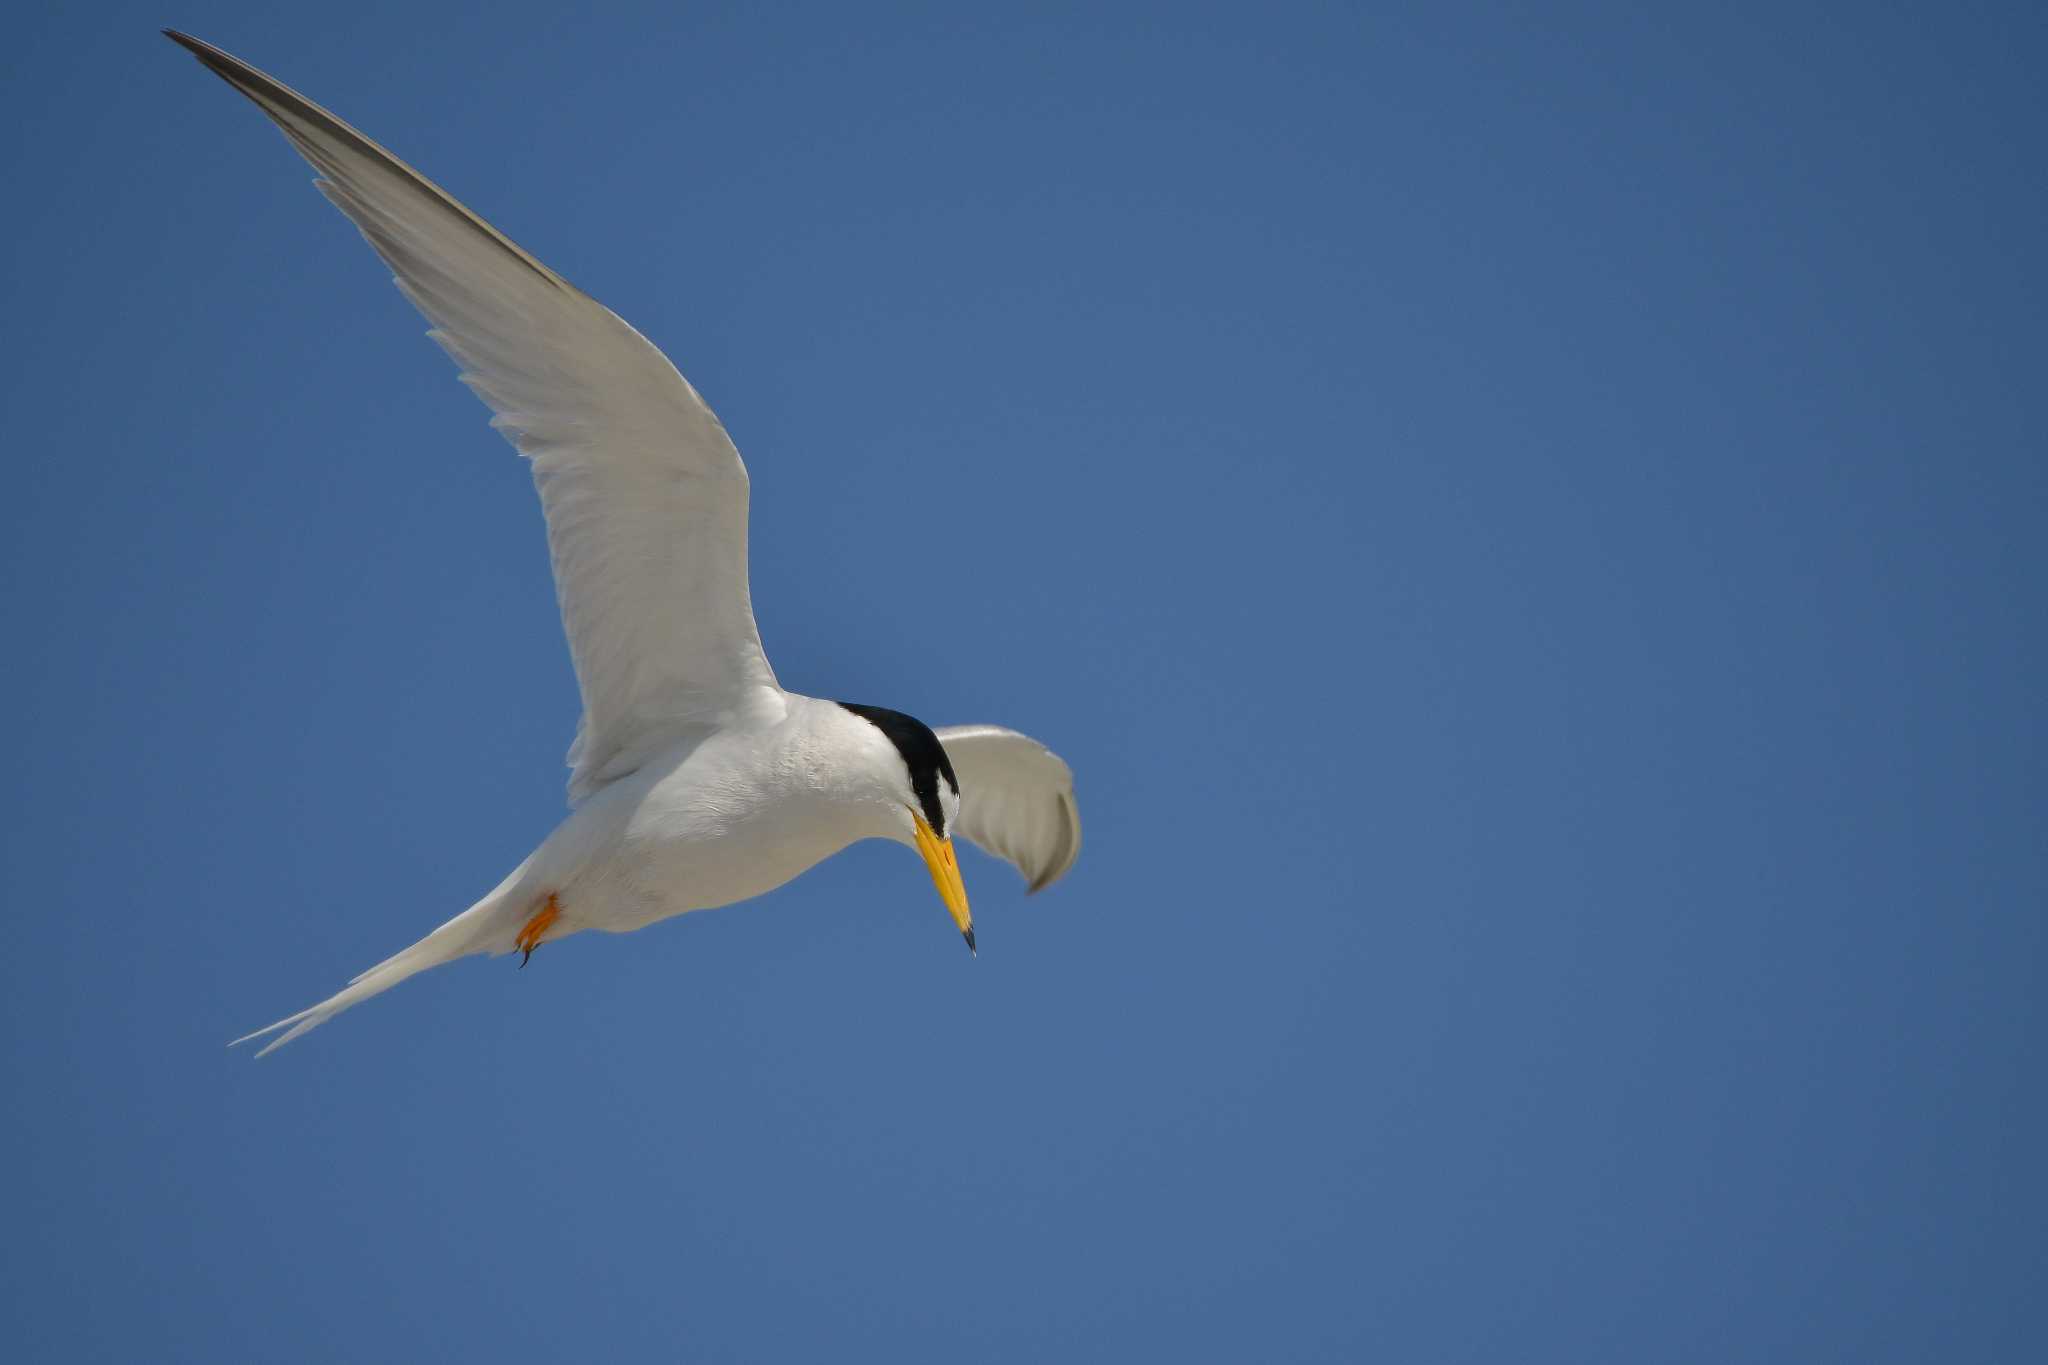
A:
x,y
1528,529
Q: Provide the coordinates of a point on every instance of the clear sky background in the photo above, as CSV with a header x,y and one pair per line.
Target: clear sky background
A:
x,y
1529,530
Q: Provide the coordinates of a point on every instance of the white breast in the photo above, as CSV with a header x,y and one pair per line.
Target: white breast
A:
x,y
715,820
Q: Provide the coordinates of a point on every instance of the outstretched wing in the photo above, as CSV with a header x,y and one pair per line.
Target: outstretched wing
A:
x,y
646,498
1016,800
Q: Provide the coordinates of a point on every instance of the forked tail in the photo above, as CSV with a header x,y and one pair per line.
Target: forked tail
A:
x,y
469,932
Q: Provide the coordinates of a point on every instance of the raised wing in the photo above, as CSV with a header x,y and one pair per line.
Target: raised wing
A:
x,y
1016,800
646,498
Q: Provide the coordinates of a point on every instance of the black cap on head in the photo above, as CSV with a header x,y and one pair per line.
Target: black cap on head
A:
x,y
923,756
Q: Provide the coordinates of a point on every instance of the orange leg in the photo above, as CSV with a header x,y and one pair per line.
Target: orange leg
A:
x,y
543,920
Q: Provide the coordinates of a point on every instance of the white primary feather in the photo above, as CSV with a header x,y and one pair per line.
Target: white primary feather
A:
x,y
645,495
1016,800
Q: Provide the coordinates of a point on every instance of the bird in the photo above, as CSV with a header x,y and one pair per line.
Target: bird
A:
x,y
696,780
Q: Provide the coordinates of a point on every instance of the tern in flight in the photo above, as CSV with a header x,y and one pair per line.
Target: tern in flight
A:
x,y
696,780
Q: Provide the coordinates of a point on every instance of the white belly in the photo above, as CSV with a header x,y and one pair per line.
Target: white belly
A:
x,y
722,822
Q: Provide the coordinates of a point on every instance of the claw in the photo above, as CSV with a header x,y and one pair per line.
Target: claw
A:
x,y
530,937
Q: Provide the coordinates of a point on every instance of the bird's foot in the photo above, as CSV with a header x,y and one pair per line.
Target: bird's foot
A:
x,y
543,919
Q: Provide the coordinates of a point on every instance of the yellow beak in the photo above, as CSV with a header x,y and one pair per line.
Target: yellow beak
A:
x,y
945,870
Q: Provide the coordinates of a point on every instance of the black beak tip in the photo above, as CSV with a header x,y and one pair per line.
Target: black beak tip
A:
x,y
968,934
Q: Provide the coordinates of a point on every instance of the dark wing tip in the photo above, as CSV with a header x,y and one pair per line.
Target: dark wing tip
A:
x,y
1064,857
250,81
272,95
204,51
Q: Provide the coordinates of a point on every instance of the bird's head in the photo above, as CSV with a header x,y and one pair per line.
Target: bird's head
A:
x,y
926,798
